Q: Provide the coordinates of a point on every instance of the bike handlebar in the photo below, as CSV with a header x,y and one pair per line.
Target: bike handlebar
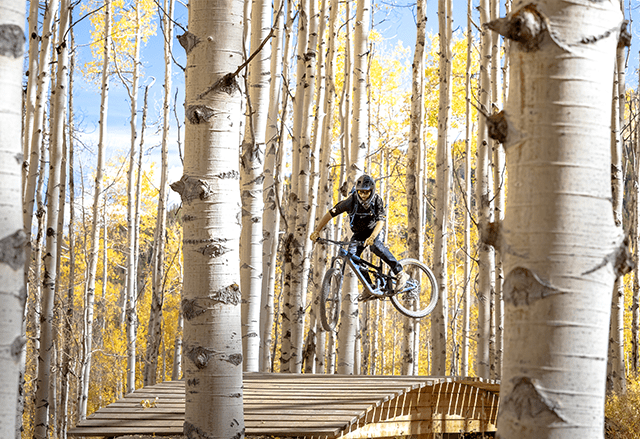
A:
x,y
331,241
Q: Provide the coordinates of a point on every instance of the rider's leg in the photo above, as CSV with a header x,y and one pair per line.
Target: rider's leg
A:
x,y
383,253
380,250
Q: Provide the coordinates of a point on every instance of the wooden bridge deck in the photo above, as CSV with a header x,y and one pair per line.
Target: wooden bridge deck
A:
x,y
317,406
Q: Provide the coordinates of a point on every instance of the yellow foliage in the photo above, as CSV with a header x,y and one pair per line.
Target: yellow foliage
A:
x,y
123,32
622,413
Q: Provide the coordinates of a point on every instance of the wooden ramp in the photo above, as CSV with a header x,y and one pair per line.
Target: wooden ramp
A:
x,y
317,406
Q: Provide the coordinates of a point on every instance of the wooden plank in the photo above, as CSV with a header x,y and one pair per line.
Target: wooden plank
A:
x,y
316,406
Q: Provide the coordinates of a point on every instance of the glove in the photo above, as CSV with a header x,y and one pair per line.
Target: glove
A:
x,y
369,241
314,236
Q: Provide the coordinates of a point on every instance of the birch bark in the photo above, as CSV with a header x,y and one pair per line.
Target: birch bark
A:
x,y
414,182
58,111
251,180
154,334
560,268
210,195
12,235
349,317
440,319
272,192
486,259
95,229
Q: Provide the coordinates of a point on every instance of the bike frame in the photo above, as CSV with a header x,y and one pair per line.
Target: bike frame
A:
x,y
354,261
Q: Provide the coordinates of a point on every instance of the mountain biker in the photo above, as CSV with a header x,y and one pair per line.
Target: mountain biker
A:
x,y
366,217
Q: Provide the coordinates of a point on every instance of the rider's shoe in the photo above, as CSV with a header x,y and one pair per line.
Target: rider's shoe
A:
x,y
401,281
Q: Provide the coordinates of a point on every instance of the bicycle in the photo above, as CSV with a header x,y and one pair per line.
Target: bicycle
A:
x,y
420,290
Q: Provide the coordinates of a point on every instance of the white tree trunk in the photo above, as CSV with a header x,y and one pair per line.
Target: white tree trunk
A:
x,y
132,250
95,229
30,98
486,259
557,141
12,235
499,181
415,235
305,210
439,321
154,332
58,111
358,148
466,333
616,377
251,181
210,195
272,192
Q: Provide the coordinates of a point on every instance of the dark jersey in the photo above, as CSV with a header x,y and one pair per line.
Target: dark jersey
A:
x,y
361,219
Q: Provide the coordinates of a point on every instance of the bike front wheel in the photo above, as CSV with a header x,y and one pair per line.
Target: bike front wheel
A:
x,y
330,299
420,294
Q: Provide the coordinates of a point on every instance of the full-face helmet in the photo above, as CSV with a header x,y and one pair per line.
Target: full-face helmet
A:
x,y
365,190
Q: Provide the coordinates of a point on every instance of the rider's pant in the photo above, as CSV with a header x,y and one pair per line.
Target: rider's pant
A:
x,y
378,248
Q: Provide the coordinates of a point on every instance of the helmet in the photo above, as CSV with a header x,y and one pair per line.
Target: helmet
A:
x,y
365,183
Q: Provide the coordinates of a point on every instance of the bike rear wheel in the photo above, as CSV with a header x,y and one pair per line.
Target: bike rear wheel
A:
x,y
330,299
420,295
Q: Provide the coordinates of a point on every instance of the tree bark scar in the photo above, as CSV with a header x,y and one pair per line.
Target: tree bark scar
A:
x,y
523,287
191,188
11,40
191,310
16,348
498,127
229,295
192,432
12,250
490,234
621,259
625,37
197,114
188,41
528,401
525,26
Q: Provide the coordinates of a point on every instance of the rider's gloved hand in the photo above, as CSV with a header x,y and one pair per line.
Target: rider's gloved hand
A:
x,y
314,236
369,241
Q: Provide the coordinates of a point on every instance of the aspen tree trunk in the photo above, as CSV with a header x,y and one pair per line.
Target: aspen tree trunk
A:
x,y
68,304
154,330
292,246
349,317
305,210
210,196
176,370
560,269
131,203
324,167
272,192
315,335
466,293
251,181
95,229
44,400
12,234
498,207
486,259
415,246
635,309
154,334
616,377
37,125
440,319
32,73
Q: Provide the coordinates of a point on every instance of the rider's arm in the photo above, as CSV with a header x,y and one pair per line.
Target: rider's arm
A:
x,y
376,231
323,222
